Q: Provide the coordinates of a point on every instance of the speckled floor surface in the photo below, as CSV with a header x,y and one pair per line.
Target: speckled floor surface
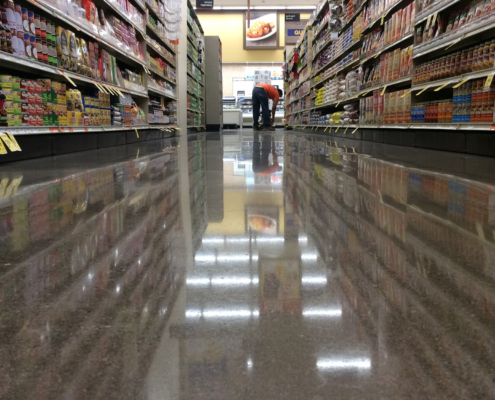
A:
x,y
275,266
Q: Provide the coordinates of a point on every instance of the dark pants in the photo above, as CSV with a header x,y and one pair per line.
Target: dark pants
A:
x,y
260,161
260,98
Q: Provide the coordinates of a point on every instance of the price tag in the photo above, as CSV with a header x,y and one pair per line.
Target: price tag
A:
x,y
434,18
377,54
406,92
354,131
345,132
67,77
326,129
428,22
441,87
137,155
383,91
12,138
8,142
3,150
337,129
454,42
337,104
417,94
137,133
489,80
463,82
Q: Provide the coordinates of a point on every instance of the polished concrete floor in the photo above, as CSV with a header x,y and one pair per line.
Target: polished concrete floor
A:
x,y
278,267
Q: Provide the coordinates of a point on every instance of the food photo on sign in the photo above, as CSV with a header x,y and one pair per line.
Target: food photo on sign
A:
x,y
261,32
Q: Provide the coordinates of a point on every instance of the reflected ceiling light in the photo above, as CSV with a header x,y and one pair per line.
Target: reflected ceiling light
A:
x,y
233,8
233,257
314,280
270,240
231,281
117,289
309,256
227,313
249,363
222,281
220,313
302,239
255,257
198,281
205,258
329,363
213,240
237,240
322,312
193,313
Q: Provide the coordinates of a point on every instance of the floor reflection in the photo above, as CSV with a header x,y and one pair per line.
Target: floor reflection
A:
x,y
264,266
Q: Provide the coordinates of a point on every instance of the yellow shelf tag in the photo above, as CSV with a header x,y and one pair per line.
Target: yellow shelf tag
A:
x,y
461,83
137,133
12,138
326,129
354,131
383,91
337,104
428,22
8,142
417,94
364,94
68,78
345,132
337,129
406,92
3,150
434,18
489,80
441,87
137,155
450,45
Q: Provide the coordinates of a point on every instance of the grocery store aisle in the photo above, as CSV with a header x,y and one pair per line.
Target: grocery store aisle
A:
x,y
260,266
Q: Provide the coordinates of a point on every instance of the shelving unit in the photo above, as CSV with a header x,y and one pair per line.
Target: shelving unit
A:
x,y
214,87
391,106
195,72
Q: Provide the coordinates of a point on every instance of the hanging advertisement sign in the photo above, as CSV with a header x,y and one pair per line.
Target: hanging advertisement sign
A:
x,y
294,29
204,3
262,33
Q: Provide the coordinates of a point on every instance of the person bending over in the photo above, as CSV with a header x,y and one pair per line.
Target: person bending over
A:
x,y
261,93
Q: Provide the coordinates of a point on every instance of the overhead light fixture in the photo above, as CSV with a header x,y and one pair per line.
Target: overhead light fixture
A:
x,y
329,363
269,8
301,7
233,8
322,312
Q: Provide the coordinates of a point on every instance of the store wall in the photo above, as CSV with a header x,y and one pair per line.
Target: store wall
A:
x,y
228,26
238,70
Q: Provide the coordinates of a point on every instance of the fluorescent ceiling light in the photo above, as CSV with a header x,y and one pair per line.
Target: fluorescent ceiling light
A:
x,y
322,312
302,239
314,280
329,363
301,7
269,8
233,8
217,8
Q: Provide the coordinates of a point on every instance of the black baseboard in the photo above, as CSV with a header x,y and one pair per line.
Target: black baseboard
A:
x,y
470,142
213,127
35,146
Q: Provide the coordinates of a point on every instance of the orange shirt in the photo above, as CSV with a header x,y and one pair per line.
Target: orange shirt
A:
x,y
270,90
